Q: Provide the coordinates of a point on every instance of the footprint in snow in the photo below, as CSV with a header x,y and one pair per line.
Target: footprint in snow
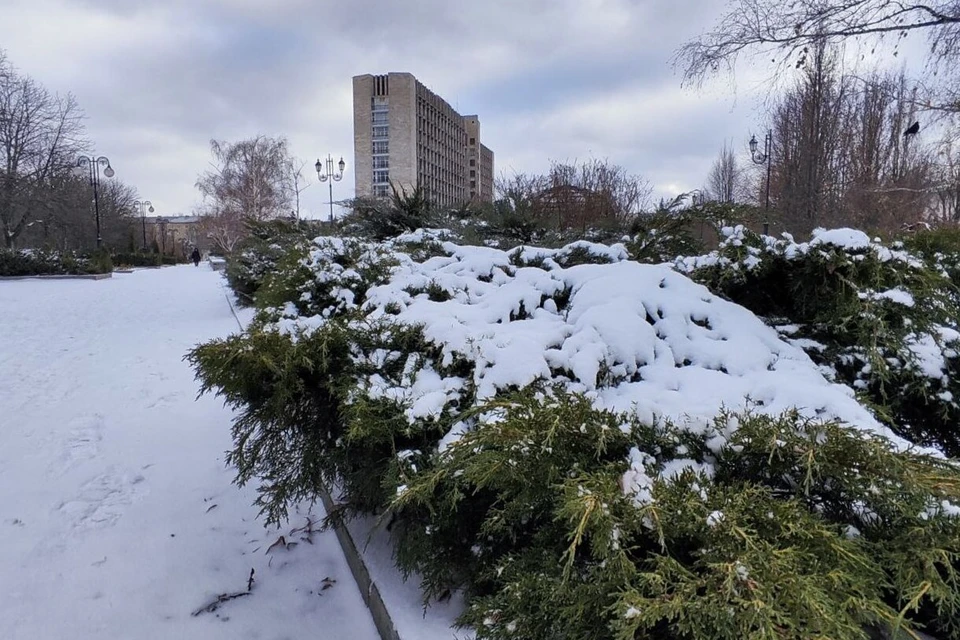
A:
x,y
163,400
83,439
101,502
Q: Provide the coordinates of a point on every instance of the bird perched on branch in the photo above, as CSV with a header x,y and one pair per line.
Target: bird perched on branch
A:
x,y
913,130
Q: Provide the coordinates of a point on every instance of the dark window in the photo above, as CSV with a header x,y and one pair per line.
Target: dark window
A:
x,y
473,141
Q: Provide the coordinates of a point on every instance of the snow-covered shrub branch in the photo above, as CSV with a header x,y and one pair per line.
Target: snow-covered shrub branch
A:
x,y
874,316
566,521
259,253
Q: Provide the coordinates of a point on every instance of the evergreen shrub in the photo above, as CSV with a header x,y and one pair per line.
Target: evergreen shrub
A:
x,y
136,259
39,262
882,319
256,257
560,511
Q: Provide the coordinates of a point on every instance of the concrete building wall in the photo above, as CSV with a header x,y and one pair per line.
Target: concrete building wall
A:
x,y
176,235
406,135
440,150
485,186
402,97
362,136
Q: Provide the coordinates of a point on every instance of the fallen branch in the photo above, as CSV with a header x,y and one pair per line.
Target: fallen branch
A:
x,y
223,597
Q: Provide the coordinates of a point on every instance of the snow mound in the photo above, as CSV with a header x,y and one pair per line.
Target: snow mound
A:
x,y
634,338
852,239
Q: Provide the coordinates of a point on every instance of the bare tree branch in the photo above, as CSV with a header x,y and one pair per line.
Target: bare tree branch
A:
x,y
41,135
789,30
725,182
252,179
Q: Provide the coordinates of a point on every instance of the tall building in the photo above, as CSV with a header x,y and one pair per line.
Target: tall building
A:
x,y
406,135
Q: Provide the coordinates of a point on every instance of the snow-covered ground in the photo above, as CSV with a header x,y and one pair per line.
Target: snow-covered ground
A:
x,y
118,518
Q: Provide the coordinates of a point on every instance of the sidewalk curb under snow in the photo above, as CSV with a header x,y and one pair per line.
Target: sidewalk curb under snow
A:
x,y
361,575
89,276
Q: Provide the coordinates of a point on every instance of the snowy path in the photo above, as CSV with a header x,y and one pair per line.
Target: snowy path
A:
x,y
117,516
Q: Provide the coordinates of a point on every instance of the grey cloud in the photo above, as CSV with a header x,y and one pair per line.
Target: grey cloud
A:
x,y
171,75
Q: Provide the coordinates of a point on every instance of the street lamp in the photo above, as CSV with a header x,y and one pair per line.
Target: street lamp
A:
x,y
760,158
93,165
142,205
330,175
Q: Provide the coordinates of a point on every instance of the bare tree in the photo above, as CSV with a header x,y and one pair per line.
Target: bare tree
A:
x,y
889,176
41,135
518,191
946,207
248,179
224,229
789,31
840,156
117,216
725,182
66,221
806,126
298,183
575,195
591,193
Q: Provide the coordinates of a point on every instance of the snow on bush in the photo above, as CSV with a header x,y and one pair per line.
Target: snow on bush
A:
x,y
632,337
588,445
879,318
38,262
258,255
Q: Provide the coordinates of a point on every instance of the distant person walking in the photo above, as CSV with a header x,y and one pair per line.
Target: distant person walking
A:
x,y
195,256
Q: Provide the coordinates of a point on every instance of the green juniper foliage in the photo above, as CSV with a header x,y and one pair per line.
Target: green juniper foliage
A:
x,y
258,255
940,249
558,520
286,394
879,318
795,529
380,220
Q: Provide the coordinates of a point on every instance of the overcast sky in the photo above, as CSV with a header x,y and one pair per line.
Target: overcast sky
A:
x,y
550,80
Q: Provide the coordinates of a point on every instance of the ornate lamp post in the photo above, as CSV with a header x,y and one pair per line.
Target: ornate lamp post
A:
x,y
326,173
143,207
93,165
760,158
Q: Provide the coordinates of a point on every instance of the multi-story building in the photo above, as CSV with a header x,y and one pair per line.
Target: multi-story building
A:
x,y
405,135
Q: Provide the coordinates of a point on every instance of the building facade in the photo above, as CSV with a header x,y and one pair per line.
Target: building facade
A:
x,y
175,235
405,135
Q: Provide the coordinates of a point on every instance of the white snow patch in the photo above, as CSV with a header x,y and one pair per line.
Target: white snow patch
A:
x,y
120,519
